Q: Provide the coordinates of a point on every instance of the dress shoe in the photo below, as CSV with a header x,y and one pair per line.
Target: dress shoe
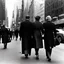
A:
x,y
49,59
37,57
26,56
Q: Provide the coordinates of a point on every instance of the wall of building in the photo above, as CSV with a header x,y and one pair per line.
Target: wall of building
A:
x,y
36,8
2,11
54,7
31,11
41,12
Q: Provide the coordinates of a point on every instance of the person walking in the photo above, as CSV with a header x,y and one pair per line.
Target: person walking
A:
x,y
0,34
49,33
5,34
25,34
13,34
38,31
16,34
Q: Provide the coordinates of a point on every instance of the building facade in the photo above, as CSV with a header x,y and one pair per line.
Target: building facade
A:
x,y
54,7
31,11
41,12
36,9
2,11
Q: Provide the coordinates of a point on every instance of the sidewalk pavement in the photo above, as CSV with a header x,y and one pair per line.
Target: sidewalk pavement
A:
x,y
61,46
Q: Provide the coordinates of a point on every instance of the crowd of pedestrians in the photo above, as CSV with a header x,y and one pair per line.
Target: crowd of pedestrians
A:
x,y
31,36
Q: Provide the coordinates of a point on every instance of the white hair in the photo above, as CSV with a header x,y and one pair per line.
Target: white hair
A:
x,y
48,18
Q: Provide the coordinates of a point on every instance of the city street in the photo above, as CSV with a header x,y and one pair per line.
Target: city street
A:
x,y
16,17
12,55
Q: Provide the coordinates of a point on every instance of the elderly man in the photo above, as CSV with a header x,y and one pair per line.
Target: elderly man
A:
x,y
50,32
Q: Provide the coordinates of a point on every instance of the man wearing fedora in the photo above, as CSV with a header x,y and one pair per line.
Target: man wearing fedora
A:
x,y
25,34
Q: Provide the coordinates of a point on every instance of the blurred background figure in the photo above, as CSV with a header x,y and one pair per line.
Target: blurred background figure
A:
x,y
13,34
16,34
5,36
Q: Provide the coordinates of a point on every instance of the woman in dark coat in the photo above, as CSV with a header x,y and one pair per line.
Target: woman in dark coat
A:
x,y
50,32
5,36
38,35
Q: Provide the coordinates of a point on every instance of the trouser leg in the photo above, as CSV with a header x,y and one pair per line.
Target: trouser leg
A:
x,y
36,53
26,53
29,52
48,54
16,38
5,45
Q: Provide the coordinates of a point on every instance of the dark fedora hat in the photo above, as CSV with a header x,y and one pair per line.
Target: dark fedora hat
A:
x,y
27,16
37,17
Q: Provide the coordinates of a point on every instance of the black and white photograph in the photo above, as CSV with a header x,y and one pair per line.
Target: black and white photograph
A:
x,y
31,31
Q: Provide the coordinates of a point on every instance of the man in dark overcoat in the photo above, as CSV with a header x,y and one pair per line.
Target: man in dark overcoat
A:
x,y
50,32
25,33
13,34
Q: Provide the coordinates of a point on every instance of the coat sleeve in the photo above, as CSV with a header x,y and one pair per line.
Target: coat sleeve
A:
x,y
55,31
20,31
43,29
